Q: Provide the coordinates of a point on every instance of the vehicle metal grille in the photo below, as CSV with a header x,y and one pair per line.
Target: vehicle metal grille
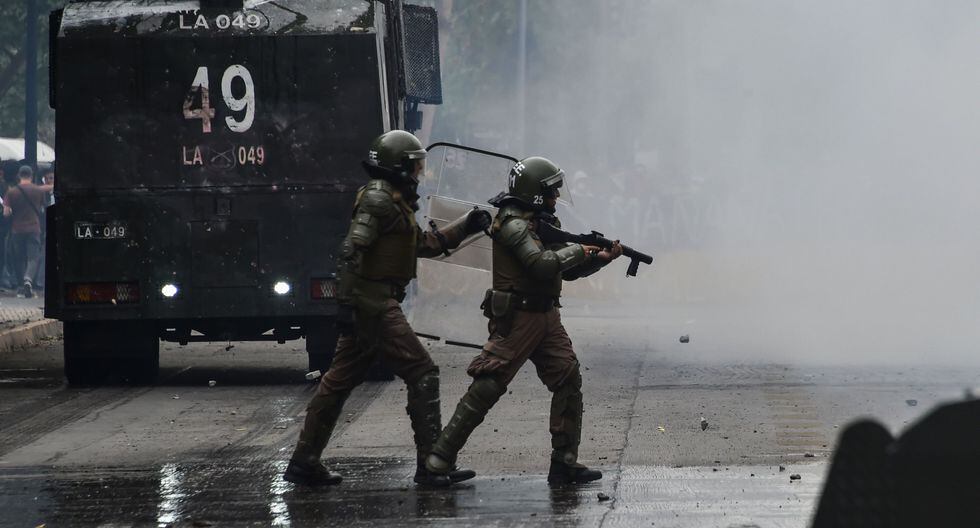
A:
x,y
421,45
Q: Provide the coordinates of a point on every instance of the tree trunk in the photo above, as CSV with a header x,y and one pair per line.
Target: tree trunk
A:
x,y
10,74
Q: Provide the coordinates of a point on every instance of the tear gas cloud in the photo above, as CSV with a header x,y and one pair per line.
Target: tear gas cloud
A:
x,y
806,173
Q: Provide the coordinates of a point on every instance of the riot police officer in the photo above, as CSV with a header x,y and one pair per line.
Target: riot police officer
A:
x,y
525,323
378,260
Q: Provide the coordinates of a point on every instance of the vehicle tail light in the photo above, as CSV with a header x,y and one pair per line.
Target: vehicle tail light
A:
x,y
103,293
323,289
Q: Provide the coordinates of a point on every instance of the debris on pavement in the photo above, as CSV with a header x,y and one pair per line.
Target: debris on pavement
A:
x,y
795,476
603,497
808,455
704,423
176,397
685,338
229,347
212,383
310,376
661,429
911,403
782,468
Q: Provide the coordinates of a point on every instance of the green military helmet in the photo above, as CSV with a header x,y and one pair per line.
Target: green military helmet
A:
x,y
392,157
534,179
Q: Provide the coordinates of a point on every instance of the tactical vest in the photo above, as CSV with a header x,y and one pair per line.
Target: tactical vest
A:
x,y
508,272
392,256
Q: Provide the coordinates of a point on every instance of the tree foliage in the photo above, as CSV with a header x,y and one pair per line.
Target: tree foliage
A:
x,y
579,77
13,14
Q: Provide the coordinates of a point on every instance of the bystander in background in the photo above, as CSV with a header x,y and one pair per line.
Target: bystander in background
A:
x,y
24,203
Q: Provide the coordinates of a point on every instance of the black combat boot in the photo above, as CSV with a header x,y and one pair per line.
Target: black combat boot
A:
x,y
566,434
459,474
424,477
473,407
423,410
454,473
310,474
574,473
304,466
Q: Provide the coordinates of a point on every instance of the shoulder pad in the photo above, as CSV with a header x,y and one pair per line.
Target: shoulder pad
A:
x,y
376,198
381,185
512,230
506,212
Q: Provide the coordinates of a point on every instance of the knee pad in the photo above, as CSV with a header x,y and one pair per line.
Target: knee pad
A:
x,y
428,383
572,382
485,391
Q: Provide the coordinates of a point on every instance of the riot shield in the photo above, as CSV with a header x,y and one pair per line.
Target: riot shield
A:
x,y
456,180
446,299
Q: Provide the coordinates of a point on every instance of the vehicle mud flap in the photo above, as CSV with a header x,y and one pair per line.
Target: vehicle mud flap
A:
x,y
321,343
116,352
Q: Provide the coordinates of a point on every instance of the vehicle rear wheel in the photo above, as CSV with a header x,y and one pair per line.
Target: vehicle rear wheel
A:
x,y
379,372
111,352
321,342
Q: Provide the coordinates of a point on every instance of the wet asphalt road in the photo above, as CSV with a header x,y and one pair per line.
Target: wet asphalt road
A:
x,y
182,453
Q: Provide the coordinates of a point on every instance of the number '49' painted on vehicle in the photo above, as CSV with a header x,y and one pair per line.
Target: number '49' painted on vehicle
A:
x,y
200,85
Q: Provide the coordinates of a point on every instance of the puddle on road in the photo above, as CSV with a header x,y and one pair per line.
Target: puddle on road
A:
x,y
254,493
32,378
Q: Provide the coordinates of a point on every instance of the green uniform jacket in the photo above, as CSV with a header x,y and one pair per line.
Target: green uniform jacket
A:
x,y
378,255
523,265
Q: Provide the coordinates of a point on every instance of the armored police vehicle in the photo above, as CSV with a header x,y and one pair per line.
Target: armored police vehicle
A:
x,y
208,155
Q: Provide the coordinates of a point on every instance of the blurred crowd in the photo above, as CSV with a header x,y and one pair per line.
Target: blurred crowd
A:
x,y
25,195
641,208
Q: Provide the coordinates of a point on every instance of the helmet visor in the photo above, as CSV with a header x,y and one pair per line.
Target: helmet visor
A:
x,y
415,154
551,186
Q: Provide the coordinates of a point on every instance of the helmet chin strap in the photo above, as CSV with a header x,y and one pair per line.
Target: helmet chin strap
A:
x,y
402,181
410,191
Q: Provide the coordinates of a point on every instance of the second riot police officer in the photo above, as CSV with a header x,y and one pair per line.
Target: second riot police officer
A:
x,y
525,323
378,260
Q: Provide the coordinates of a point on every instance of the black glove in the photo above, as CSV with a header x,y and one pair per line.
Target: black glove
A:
x,y
477,220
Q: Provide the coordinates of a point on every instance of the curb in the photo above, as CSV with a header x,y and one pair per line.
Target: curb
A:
x,y
29,334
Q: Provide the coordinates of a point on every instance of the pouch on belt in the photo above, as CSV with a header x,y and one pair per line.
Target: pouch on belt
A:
x,y
499,307
370,301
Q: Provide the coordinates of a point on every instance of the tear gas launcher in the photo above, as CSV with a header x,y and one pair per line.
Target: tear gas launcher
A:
x,y
550,234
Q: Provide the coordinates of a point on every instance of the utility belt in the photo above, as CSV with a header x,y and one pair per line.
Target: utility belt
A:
x,y
500,307
379,289
501,304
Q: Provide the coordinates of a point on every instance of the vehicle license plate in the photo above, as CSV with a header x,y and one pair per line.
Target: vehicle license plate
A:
x,y
103,230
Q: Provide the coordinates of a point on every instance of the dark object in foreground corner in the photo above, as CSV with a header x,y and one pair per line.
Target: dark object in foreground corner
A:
x,y
550,234
929,476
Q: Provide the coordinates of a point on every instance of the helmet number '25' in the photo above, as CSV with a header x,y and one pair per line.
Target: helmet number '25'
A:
x,y
236,104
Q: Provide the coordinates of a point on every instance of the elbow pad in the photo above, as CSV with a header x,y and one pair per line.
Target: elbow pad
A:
x,y
363,230
570,256
454,232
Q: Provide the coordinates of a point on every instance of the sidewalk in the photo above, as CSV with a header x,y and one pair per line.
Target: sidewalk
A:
x,y
22,321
